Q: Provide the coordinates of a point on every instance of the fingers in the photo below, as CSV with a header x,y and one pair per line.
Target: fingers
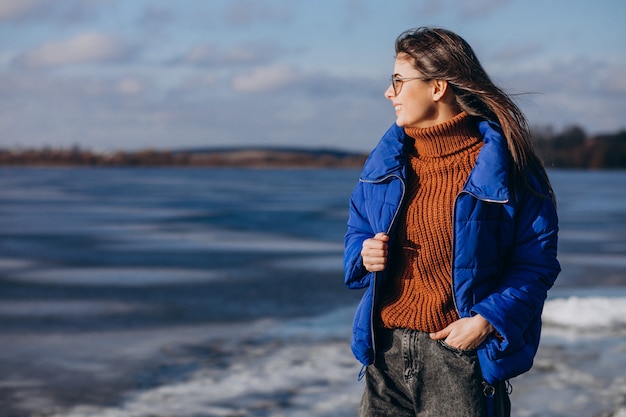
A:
x,y
441,334
466,333
374,252
382,237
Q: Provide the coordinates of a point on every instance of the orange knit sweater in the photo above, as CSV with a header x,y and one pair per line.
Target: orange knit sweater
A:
x,y
418,294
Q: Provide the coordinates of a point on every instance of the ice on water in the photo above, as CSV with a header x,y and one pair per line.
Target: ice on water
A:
x,y
304,368
272,366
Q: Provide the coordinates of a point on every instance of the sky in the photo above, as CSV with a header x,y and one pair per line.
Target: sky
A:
x,y
109,75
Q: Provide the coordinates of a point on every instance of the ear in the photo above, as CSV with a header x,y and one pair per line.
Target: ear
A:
x,y
439,89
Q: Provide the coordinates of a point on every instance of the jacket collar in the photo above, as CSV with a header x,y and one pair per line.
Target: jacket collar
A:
x,y
388,157
487,181
490,177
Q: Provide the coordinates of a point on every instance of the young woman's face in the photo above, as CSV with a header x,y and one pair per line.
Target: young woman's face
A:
x,y
414,103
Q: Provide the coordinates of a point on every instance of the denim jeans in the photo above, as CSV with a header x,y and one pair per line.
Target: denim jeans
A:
x,y
414,375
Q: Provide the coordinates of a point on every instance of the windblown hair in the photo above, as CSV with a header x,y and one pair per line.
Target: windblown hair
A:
x,y
443,55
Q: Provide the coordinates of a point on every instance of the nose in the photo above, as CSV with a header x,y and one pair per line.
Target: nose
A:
x,y
389,92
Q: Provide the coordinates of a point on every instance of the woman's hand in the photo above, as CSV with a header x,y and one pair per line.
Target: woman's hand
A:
x,y
374,252
466,333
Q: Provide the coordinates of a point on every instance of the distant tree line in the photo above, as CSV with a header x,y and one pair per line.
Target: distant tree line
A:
x,y
573,148
569,148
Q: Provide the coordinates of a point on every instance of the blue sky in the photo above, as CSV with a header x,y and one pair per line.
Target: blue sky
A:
x,y
134,74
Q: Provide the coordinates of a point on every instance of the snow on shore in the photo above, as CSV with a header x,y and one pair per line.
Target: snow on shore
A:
x,y
304,368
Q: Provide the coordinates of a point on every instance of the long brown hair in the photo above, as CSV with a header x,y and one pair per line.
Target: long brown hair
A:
x,y
443,55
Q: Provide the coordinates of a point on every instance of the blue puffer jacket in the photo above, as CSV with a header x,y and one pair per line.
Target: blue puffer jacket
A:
x,y
504,250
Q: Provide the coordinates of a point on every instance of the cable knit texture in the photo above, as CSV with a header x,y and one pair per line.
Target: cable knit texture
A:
x,y
419,296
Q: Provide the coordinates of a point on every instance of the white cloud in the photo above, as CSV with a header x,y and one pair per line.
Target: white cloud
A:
x,y
130,86
64,12
246,12
242,54
521,51
11,9
236,67
464,10
265,78
615,82
88,47
480,8
582,91
200,54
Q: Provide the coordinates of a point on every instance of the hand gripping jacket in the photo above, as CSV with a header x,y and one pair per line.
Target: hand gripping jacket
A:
x,y
504,250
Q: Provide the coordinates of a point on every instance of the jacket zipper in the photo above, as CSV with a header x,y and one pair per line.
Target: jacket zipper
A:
x,y
375,277
453,257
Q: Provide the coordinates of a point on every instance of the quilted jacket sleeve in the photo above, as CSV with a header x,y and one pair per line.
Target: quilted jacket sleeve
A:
x,y
359,229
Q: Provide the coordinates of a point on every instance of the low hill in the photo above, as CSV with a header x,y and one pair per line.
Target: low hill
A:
x,y
234,157
570,148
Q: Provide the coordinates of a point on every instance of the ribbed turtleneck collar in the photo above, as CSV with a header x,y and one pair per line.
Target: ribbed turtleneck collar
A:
x,y
446,138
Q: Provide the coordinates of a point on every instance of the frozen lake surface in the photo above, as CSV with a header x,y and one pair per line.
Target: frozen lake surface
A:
x,y
179,292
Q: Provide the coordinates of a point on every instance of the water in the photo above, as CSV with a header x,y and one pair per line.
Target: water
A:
x,y
197,292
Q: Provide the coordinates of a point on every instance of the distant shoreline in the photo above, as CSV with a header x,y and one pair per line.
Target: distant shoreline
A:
x,y
571,148
218,158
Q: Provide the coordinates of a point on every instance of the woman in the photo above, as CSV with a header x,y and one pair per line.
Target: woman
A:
x,y
452,233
